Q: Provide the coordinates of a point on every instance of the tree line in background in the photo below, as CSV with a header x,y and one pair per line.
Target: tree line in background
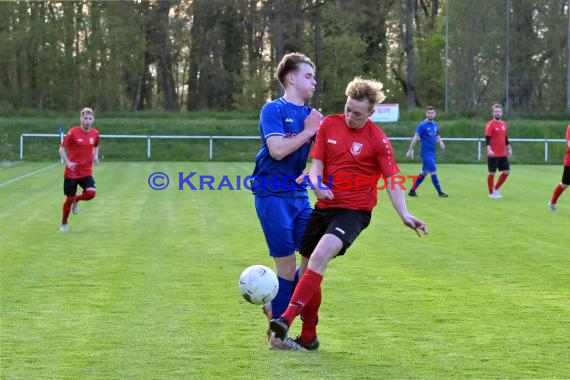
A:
x,y
222,54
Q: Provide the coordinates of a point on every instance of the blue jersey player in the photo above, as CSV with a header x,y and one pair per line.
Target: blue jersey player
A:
x,y
287,126
427,133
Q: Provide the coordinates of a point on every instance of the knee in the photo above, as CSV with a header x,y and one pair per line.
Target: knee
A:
x,y
90,194
319,259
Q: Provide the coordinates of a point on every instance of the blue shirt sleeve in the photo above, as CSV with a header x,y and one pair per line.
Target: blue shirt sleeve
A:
x,y
272,121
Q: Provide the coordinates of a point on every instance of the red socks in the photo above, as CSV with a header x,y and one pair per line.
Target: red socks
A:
x,y
491,183
310,317
502,179
308,286
67,208
557,192
86,196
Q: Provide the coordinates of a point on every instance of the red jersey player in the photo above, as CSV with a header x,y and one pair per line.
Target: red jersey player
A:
x,y
498,151
349,148
82,144
565,176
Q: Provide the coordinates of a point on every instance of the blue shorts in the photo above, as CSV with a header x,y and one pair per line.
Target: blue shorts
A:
x,y
428,165
283,221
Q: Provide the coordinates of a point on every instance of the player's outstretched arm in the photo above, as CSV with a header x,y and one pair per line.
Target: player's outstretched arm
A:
x,y
415,139
398,199
280,147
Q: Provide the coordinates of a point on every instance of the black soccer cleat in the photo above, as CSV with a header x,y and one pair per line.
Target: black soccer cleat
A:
x,y
443,195
412,193
280,327
311,346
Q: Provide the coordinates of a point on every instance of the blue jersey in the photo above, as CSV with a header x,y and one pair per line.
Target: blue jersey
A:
x,y
273,177
428,132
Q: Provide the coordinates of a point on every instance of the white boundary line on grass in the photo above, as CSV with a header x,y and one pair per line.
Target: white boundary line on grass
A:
x,y
2,184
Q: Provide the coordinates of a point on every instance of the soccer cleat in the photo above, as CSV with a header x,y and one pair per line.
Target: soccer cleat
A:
x,y
286,344
495,196
280,327
412,193
498,193
311,346
551,206
443,195
63,228
75,207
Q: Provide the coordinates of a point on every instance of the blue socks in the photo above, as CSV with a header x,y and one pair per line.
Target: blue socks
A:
x,y
283,297
436,183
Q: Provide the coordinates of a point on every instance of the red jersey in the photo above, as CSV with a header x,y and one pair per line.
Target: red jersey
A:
x,y
497,131
348,154
567,156
79,145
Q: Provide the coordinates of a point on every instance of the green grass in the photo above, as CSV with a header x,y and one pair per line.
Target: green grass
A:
x,y
145,283
244,124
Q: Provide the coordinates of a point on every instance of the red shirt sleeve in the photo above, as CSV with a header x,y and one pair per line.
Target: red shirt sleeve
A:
x,y
67,140
96,141
568,133
319,150
385,158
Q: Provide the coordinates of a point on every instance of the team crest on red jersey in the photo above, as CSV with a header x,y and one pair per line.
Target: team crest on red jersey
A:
x,y
356,148
91,140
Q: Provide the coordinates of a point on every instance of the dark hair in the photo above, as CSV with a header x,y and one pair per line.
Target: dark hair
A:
x,y
430,108
290,63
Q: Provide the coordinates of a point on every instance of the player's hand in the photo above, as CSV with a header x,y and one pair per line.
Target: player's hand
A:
x,y
409,154
323,193
300,179
96,160
312,122
490,153
415,224
441,145
71,165
509,152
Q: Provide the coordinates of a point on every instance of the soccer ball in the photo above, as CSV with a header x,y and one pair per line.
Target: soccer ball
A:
x,y
258,284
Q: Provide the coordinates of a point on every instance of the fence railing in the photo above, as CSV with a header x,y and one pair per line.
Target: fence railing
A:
x,y
211,139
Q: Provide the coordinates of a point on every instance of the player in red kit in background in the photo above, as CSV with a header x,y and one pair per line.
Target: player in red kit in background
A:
x,y
565,175
82,144
498,151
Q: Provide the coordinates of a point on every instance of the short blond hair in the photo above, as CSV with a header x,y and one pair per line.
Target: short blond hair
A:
x,y
365,89
497,105
87,110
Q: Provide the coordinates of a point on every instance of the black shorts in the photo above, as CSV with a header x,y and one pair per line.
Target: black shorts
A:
x,y
501,163
70,184
343,223
566,175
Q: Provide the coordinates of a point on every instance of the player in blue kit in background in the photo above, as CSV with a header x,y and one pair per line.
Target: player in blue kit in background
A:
x,y
427,133
287,126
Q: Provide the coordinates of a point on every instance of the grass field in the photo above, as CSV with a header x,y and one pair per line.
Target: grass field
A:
x,y
145,283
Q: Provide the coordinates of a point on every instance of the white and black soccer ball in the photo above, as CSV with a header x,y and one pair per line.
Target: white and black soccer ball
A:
x,y
258,284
